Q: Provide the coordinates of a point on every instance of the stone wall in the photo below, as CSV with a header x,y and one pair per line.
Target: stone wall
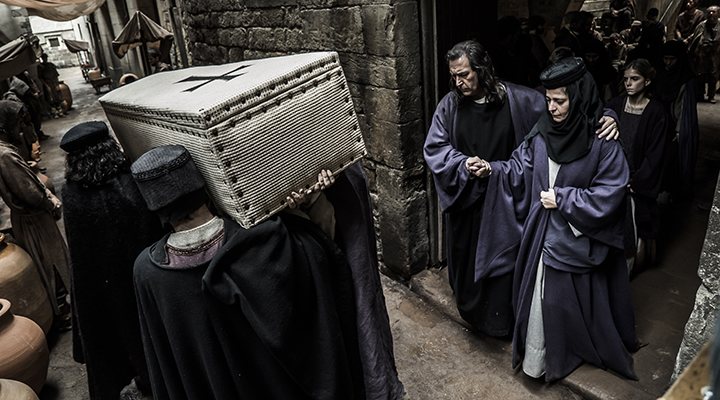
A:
x,y
700,327
379,49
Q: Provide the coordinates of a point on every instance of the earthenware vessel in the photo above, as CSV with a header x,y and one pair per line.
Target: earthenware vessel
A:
x,y
20,283
24,354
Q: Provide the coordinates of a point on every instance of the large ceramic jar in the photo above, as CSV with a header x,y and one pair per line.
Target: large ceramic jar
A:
x,y
66,95
14,390
24,354
20,283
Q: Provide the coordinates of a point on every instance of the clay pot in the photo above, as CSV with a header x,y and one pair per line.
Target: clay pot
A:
x,y
20,283
24,354
14,390
94,74
65,95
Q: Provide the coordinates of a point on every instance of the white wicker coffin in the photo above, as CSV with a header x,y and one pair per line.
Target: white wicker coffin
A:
x,y
257,130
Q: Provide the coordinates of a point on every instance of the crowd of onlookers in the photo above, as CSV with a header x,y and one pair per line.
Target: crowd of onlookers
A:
x,y
679,68
27,99
607,42
542,240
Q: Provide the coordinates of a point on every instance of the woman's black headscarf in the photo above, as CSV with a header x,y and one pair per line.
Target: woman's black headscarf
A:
x,y
572,138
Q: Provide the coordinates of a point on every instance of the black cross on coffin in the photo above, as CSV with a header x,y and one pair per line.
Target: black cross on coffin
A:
x,y
226,77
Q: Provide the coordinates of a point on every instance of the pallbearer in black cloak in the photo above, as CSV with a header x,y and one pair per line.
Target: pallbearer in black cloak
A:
x,y
266,312
107,225
561,197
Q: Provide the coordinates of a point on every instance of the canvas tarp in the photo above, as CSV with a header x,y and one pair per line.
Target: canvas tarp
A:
x,y
139,30
57,10
17,55
76,46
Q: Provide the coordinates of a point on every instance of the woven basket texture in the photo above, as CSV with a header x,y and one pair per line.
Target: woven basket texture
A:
x,y
263,129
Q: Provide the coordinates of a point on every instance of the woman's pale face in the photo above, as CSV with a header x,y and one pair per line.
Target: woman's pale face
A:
x,y
634,82
558,103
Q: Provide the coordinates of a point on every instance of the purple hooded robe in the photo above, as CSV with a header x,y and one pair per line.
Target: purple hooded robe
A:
x,y
486,304
587,309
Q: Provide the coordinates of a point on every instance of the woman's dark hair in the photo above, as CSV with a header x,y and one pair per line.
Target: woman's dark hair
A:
x,y
642,66
481,63
96,164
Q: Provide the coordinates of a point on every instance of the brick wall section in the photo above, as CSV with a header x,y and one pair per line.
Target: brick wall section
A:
x,y
379,49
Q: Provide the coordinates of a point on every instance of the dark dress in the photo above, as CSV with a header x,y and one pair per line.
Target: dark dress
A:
x,y
460,129
645,148
270,316
106,228
355,236
587,310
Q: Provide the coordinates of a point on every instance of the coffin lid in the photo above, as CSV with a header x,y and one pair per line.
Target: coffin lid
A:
x,y
204,96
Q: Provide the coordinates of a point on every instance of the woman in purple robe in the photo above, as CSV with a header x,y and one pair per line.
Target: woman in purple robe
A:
x,y
557,208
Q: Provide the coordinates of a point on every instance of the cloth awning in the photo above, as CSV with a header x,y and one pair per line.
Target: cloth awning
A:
x,y
76,46
57,10
140,29
17,55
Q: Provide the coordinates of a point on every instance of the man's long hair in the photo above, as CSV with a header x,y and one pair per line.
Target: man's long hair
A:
x,y
481,63
96,164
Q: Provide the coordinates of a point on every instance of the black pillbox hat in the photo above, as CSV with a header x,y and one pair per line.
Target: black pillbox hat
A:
x,y
563,73
83,135
164,174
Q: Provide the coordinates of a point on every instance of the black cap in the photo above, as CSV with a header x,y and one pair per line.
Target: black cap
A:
x,y
165,174
563,72
83,135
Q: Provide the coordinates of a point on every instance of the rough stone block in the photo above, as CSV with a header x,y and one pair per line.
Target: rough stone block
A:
x,y
204,54
210,36
709,269
391,30
268,17
371,174
235,54
387,72
402,210
395,145
193,36
271,3
337,29
275,39
701,324
403,236
234,37
356,93
255,54
699,329
398,106
196,20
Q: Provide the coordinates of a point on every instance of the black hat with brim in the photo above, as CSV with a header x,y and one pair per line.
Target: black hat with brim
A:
x,y
83,135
